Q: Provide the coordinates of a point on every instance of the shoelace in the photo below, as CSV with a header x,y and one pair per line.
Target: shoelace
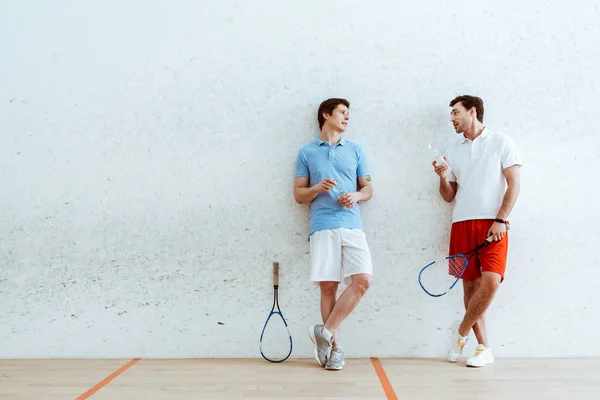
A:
x,y
335,355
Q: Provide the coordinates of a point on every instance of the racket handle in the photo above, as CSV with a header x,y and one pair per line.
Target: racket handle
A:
x,y
276,273
490,239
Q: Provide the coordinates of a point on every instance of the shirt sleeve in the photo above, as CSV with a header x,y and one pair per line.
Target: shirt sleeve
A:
x,y
510,154
451,177
302,165
362,169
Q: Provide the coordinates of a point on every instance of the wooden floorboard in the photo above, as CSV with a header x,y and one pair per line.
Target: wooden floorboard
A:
x,y
175,379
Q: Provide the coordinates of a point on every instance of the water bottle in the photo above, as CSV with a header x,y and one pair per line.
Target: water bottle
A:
x,y
338,191
437,156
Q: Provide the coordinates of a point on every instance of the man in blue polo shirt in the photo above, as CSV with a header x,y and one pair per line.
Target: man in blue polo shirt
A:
x,y
332,175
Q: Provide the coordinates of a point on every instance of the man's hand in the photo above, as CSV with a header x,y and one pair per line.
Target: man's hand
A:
x,y
324,185
447,189
498,229
440,169
350,199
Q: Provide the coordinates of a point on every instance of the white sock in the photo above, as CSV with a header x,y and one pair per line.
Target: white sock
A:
x,y
327,334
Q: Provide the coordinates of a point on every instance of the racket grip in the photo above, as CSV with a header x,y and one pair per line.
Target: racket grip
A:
x,y
490,239
276,273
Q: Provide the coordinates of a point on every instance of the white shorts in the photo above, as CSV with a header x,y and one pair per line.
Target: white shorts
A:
x,y
337,254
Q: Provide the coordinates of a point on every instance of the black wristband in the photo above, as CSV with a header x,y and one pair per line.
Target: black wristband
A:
x,y
500,220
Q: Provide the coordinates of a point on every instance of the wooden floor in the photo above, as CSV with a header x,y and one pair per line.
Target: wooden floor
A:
x,y
150,379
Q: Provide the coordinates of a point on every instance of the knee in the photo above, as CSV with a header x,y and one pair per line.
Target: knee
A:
x,y
363,283
329,289
493,286
492,283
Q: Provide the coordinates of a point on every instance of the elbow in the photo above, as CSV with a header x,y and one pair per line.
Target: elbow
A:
x,y
366,193
448,197
297,198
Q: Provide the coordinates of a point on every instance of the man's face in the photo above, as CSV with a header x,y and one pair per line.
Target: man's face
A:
x,y
338,120
461,118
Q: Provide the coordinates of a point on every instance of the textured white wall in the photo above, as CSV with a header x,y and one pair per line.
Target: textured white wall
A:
x,y
147,158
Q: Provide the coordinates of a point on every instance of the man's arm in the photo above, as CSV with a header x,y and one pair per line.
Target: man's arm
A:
x,y
447,188
304,194
366,188
513,181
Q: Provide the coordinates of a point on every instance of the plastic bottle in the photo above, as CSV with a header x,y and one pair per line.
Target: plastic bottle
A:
x,y
338,192
439,159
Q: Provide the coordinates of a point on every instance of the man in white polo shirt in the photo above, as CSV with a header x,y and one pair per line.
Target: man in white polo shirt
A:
x,y
484,182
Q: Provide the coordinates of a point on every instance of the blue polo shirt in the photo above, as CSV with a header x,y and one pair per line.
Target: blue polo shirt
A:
x,y
344,162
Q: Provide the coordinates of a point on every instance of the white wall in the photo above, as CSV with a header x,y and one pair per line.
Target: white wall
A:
x,y
147,158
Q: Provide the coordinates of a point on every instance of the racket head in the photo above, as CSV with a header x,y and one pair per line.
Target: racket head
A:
x,y
439,277
276,339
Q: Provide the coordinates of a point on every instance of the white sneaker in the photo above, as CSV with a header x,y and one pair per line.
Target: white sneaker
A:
x,y
457,344
336,359
323,341
483,356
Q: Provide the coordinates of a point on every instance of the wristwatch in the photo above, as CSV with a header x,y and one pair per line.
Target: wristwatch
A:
x,y
500,220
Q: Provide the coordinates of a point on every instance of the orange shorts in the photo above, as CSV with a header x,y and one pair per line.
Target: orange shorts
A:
x,y
466,235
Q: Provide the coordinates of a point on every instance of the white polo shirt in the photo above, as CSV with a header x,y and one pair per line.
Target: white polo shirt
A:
x,y
477,167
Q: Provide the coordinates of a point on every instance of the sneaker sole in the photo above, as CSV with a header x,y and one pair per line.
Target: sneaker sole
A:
x,y
479,366
332,368
476,366
311,334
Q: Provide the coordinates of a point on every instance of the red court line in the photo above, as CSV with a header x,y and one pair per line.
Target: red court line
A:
x,y
385,382
107,380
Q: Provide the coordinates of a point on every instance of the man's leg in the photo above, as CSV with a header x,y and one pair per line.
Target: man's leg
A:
x,y
357,273
493,264
347,302
469,287
326,270
341,309
478,295
480,300
328,301
357,264
481,281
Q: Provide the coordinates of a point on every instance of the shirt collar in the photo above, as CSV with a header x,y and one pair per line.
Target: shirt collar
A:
x,y
484,133
320,142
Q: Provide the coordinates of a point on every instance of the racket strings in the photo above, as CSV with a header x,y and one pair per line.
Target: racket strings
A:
x,y
441,275
456,265
275,344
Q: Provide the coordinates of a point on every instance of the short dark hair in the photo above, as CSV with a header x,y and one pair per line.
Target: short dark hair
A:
x,y
469,102
327,107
